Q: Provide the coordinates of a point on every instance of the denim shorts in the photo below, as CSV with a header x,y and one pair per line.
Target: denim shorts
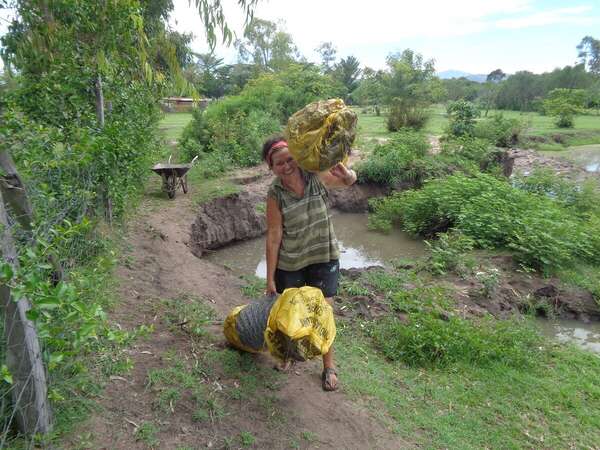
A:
x,y
321,275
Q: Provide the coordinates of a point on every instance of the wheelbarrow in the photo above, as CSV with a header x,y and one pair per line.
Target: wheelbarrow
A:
x,y
173,176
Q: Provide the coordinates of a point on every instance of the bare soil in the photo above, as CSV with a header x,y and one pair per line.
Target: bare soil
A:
x,y
159,265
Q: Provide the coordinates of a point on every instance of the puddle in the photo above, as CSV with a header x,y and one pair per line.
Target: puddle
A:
x,y
584,335
359,247
586,155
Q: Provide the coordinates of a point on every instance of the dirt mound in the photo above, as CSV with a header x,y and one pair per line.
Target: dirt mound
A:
x,y
225,220
356,197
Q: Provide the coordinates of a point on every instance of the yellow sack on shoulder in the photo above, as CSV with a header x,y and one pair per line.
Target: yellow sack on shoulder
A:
x,y
320,135
301,325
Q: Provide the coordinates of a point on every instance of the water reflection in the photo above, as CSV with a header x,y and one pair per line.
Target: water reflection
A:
x,y
359,247
584,335
586,155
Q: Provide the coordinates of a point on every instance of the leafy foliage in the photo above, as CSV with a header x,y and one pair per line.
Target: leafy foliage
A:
x,y
499,131
448,253
544,233
236,126
461,118
564,104
410,87
399,159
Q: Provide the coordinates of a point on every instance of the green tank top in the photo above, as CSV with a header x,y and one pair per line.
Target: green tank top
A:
x,y
308,236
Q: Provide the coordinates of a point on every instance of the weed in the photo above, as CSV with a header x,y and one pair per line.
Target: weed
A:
x,y
352,287
189,313
254,287
490,279
247,439
167,398
309,436
146,433
448,253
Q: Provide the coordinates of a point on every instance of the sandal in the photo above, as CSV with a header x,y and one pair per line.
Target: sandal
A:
x,y
326,379
285,366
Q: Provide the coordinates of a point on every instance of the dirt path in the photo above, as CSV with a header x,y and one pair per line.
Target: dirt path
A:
x,y
158,265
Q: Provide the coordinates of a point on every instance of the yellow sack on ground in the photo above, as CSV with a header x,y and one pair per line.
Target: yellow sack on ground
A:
x,y
301,325
245,325
320,135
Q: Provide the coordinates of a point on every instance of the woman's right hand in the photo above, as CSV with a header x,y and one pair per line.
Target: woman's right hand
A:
x,y
271,289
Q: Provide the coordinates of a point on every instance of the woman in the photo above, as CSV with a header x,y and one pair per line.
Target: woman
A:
x,y
301,245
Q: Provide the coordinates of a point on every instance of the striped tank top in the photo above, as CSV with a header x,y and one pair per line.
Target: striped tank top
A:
x,y
308,236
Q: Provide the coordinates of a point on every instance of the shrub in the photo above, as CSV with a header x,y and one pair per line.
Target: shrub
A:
x,y
236,126
448,253
407,115
543,232
499,131
430,341
564,104
461,118
399,159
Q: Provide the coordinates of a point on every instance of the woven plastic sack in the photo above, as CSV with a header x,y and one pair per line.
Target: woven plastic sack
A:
x,y
320,135
301,325
244,327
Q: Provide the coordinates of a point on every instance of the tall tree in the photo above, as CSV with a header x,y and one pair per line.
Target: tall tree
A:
x,y
347,71
589,53
266,45
328,54
496,76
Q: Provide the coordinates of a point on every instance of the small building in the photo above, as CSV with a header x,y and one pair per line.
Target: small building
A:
x,y
183,104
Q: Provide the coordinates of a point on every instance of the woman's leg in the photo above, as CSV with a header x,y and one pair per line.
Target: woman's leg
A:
x,y
330,376
325,276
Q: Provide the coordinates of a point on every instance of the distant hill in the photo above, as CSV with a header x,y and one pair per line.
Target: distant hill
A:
x,y
447,74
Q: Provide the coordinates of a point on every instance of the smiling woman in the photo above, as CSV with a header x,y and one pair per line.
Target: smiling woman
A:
x,y
302,249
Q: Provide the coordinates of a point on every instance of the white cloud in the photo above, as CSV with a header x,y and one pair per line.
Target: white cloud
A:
x,y
554,17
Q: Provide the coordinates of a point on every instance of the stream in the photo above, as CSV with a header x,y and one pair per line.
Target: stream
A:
x,y
586,155
359,247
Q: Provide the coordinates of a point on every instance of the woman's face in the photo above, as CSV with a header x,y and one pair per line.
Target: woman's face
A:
x,y
282,163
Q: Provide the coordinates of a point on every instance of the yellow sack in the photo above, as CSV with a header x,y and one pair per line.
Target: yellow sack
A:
x,y
320,135
301,325
230,331
245,325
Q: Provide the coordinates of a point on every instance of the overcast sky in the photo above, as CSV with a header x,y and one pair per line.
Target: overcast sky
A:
x,y
475,36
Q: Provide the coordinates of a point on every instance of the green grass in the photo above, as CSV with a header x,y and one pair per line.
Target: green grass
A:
x,y
552,405
203,189
586,130
173,124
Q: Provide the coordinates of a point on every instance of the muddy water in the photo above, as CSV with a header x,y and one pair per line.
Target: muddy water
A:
x,y
586,155
359,247
584,335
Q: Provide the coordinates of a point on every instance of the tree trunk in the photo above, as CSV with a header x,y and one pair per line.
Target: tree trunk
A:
x,y
99,101
23,354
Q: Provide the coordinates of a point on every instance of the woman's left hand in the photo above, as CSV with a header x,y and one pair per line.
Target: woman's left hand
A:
x,y
342,172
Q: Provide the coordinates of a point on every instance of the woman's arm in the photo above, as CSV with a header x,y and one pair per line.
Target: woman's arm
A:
x,y
339,176
274,234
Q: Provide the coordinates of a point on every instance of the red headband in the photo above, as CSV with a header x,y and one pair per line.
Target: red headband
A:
x,y
275,146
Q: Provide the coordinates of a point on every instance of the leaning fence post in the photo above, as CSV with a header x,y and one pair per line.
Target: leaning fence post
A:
x,y
23,354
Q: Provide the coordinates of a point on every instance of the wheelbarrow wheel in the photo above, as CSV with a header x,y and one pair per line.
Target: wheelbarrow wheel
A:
x,y
171,185
184,184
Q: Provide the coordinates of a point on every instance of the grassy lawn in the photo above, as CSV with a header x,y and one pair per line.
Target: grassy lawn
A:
x,y
173,124
586,130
